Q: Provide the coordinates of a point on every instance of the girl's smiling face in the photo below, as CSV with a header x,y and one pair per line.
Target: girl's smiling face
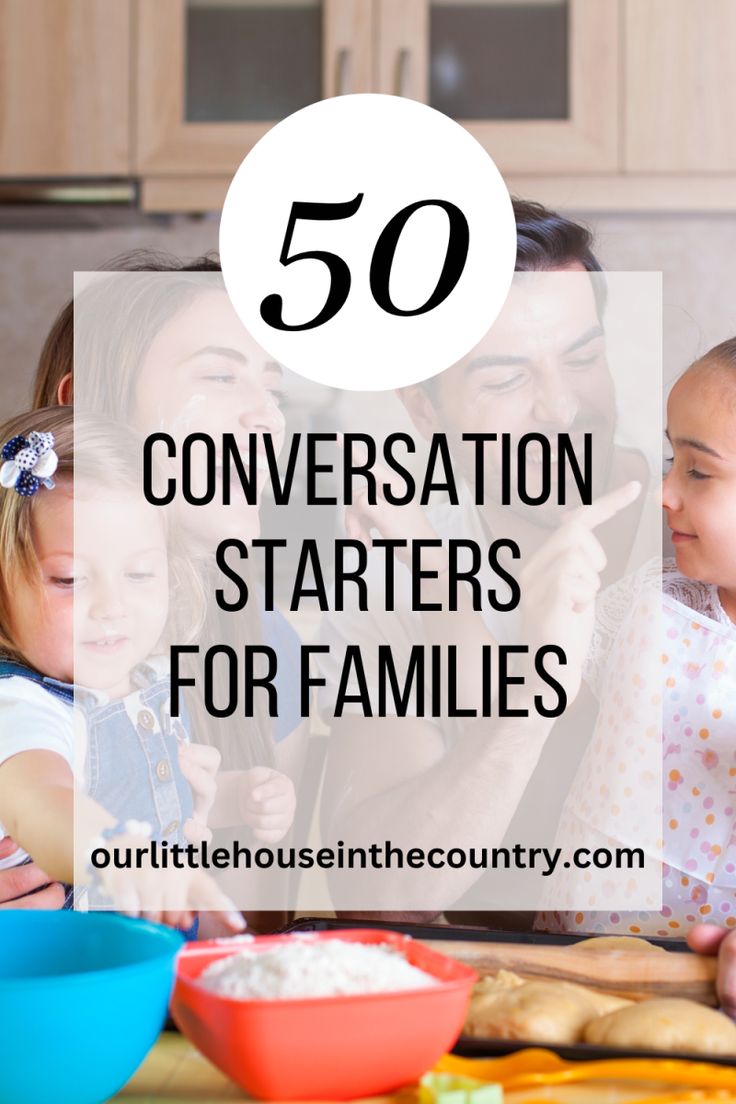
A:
x,y
699,491
101,602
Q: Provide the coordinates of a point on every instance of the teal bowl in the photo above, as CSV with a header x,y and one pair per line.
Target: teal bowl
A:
x,y
83,997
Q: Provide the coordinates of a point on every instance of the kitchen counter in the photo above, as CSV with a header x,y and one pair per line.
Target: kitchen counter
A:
x,y
176,1073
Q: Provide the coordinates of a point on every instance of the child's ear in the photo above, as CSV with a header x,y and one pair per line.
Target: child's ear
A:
x,y
65,391
420,407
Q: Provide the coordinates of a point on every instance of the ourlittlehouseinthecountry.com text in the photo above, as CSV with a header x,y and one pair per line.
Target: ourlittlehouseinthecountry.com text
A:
x,y
160,855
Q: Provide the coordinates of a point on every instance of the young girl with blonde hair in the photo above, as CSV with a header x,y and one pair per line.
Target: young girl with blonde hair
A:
x,y
86,580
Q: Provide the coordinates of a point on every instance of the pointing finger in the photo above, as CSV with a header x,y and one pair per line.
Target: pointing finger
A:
x,y
607,506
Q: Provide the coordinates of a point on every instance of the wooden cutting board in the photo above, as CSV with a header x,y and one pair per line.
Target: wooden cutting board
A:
x,y
630,974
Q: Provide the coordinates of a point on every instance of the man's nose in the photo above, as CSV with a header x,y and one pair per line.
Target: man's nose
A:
x,y
554,401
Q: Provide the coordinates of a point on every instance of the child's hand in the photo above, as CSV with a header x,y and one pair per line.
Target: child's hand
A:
x,y
171,897
199,764
267,803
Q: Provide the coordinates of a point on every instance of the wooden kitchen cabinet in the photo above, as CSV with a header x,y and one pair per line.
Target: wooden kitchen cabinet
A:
x,y
65,88
583,104
214,75
680,86
535,82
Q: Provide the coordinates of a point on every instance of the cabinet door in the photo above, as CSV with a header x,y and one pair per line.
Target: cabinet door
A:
x,y
64,88
536,81
214,75
680,89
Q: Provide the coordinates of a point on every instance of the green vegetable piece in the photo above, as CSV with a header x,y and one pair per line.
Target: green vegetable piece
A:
x,y
447,1088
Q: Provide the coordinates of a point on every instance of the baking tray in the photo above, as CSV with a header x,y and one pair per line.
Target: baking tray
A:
x,y
469,1047
448,931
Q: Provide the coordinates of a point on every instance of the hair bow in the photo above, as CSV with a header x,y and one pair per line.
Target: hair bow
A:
x,y
29,462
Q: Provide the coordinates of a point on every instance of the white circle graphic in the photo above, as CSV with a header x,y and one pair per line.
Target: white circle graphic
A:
x,y
400,198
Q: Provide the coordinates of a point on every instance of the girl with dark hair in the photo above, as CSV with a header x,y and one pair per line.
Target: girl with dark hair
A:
x,y
695,681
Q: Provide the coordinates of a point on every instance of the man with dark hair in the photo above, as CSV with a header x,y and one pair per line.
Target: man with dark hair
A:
x,y
546,241
542,370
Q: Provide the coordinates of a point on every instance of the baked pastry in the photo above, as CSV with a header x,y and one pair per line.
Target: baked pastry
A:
x,y
540,1011
671,1024
603,944
498,983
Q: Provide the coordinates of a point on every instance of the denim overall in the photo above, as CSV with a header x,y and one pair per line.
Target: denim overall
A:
x,y
132,766
132,763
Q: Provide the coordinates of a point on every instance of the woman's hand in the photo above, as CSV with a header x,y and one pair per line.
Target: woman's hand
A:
x,y
267,803
408,522
27,887
709,939
199,764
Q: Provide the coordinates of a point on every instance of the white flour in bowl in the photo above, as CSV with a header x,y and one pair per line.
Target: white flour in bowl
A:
x,y
313,969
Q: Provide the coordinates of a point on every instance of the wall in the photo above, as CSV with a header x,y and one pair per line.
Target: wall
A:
x,y
36,279
695,255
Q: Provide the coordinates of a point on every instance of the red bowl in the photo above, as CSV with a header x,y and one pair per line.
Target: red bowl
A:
x,y
329,1048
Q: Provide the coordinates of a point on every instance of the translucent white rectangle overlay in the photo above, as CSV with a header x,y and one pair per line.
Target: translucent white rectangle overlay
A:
x,y
390,779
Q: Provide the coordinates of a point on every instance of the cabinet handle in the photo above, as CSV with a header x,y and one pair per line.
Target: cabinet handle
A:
x,y
403,73
343,81
28,192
